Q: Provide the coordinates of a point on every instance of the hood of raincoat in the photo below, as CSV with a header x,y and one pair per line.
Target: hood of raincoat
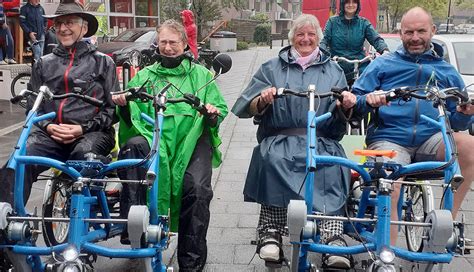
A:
x,y
188,17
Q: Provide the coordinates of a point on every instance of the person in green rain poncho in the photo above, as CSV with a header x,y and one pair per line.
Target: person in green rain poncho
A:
x,y
188,146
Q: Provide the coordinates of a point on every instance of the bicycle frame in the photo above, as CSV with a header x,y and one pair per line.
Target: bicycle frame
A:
x,y
376,238
85,196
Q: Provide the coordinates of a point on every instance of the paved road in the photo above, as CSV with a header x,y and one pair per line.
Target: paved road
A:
x,y
233,221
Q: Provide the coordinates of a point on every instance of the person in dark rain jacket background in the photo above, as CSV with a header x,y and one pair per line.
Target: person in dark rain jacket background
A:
x,y
34,26
344,36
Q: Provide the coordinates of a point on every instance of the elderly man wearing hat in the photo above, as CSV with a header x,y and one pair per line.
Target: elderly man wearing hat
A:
x,y
79,128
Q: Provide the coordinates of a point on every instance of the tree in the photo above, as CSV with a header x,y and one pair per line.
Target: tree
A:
x,y
396,8
464,4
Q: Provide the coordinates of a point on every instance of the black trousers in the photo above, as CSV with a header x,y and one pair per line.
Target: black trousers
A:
x,y
196,198
39,143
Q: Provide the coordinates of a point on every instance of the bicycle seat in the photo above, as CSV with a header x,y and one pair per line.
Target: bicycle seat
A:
x,y
375,153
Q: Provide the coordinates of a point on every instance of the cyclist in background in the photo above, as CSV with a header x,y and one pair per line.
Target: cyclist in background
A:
x,y
344,36
398,126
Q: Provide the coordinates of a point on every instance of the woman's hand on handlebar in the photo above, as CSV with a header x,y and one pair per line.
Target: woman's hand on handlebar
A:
x,y
376,99
348,100
120,99
267,97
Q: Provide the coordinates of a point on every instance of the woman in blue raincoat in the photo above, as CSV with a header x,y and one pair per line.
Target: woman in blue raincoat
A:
x,y
344,36
278,166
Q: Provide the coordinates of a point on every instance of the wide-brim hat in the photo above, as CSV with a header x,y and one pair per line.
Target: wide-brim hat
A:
x,y
71,7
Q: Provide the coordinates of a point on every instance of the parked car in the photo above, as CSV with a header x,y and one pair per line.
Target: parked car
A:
x,y
392,40
121,47
458,50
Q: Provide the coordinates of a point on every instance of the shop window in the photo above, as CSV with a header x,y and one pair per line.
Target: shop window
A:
x,y
121,6
94,5
146,22
118,24
146,7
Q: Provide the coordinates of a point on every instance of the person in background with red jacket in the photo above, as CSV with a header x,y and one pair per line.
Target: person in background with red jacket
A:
x,y
191,30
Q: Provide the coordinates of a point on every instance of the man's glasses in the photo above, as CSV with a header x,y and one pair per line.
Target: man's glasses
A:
x,y
68,23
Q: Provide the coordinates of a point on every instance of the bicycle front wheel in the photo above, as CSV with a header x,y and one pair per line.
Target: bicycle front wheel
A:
x,y
417,204
57,206
20,83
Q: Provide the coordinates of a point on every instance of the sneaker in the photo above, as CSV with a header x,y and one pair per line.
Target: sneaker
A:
x,y
269,247
3,62
11,61
337,261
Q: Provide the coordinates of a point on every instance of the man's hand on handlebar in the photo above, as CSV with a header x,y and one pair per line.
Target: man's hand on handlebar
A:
x,y
64,133
376,99
467,109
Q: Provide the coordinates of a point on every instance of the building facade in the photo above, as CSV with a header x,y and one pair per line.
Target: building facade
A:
x,y
116,16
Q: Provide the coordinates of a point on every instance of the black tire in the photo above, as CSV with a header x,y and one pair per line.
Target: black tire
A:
x,y
414,212
55,233
19,83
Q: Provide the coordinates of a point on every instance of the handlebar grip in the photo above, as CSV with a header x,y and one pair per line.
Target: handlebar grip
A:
x,y
390,96
16,99
93,101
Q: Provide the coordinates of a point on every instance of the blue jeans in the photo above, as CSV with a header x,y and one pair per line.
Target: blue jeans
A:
x,y
7,35
37,48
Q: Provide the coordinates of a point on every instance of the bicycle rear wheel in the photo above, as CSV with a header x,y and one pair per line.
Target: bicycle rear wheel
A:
x,y
57,206
19,83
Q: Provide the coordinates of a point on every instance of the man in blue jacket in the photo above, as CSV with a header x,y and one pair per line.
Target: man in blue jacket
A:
x,y
34,26
398,126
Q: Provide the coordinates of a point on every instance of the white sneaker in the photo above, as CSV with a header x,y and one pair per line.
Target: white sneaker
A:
x,y
10,61
270,247
2,62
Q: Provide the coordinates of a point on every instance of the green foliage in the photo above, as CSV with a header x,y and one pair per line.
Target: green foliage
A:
x,y
262,33
261,17
396,8
464,4
237,4
170,9
242,45
103,28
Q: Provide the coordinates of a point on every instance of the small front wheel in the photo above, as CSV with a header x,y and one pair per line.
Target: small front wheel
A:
x,y
56,205
418,203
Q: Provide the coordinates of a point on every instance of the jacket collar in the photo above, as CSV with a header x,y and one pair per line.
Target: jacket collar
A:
x,y
81,48
185,66
286,57
434,53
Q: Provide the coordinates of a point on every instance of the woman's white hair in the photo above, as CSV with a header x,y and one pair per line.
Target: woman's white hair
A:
x,y
304,20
